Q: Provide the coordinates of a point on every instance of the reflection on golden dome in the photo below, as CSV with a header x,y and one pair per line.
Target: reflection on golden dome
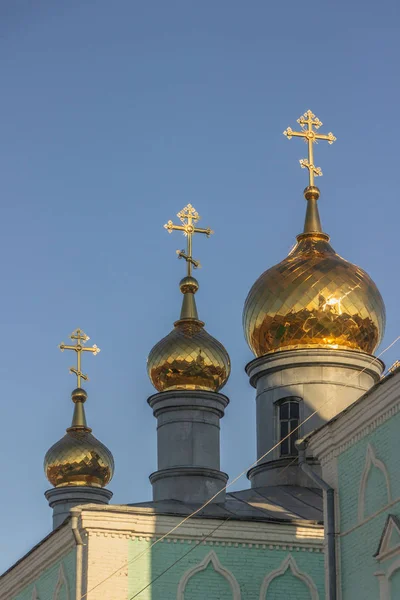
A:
x,y
79,458
313,298
188,358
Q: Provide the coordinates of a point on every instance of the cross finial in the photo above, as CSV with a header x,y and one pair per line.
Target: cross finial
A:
x,y
81,338
188,217
307,122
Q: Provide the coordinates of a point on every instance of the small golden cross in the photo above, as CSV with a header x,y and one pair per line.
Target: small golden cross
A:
x,y
81,339
188,217
307,121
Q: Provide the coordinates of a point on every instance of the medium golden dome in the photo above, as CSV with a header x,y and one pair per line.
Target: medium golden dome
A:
x,y
188,358
313,299
79,458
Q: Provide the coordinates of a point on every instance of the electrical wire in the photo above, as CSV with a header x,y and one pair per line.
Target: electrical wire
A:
x,y
195,512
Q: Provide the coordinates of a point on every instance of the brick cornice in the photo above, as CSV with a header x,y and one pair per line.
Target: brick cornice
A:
x,y
123,521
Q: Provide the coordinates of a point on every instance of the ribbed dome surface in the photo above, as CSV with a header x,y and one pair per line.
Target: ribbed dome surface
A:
x,y
188,358
79,459
313,298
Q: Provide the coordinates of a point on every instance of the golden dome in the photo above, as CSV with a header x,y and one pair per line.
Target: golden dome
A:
x,y
188,358
79,458
313,299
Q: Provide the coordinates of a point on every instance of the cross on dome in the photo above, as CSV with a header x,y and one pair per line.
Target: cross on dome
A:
x,y
307,122
81,339
188,217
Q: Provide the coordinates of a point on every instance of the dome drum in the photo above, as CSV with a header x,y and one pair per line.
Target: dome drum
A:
x,y
321,381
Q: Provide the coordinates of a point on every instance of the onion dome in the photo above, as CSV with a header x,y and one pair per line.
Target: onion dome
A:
x,y
188,358
314,298
79,458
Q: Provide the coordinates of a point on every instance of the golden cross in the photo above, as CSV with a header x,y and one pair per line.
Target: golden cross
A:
x,y
307,121
81,339
188,217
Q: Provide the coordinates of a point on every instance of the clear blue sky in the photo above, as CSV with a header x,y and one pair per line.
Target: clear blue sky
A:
x,y
114,115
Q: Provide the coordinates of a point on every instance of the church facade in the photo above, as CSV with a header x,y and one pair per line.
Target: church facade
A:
x,y
323,488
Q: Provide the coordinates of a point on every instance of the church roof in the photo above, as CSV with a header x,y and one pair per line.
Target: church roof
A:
x,y
285,503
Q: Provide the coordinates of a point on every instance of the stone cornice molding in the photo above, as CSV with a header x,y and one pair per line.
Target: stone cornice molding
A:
x,y
289,563
191,471
187,540
188,399
357,421
144,522
371,461
218,568
29,568
311,357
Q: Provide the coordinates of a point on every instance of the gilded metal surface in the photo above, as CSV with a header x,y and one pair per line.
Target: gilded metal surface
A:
x,y
313,298
188,358
307,122
79,459
188,217
79,347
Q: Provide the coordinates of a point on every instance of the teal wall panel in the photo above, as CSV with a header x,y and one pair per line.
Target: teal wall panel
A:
x,y
46,581
248,565
359,541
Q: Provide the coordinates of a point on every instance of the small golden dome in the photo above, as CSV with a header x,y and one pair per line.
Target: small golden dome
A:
x,y
313,299
188,358
79,458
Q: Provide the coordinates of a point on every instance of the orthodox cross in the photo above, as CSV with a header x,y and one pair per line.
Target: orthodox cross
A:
x,y
80,338
188,217
307,121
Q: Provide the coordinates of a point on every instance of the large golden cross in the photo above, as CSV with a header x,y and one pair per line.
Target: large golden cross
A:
x,y
79,347
188,217
307,121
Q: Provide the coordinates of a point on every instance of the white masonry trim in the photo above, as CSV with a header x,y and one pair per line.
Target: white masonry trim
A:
x,y
370,461
289,563
35,595
212,558
62,580
117,521
384,580
385,551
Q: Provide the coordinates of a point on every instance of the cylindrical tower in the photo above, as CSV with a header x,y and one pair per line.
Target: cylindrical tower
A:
x,y
79,466
313,322
188,368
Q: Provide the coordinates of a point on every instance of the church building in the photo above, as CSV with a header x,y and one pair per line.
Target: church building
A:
x,y
319,518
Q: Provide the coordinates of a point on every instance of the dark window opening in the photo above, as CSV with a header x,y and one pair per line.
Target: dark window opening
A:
x,y
288,424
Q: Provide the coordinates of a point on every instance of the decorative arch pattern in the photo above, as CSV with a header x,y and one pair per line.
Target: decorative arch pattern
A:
x,y
289,563
371,461
61,582
35,595
218,568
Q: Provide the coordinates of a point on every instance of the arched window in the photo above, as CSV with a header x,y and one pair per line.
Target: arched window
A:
x,y
288,422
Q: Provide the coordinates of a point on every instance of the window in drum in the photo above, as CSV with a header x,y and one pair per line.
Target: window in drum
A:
x,y
288,423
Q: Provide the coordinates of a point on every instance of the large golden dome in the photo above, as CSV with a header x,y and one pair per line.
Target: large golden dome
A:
x,y
313,299
188,358
79,458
